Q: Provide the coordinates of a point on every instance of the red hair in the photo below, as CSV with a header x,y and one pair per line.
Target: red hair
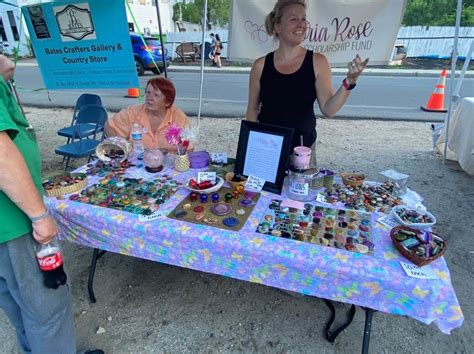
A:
x,y
166,87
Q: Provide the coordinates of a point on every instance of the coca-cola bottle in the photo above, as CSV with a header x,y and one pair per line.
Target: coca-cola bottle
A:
x,y
50,262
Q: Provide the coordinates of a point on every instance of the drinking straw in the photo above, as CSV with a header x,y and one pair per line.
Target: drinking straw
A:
x,y
301,140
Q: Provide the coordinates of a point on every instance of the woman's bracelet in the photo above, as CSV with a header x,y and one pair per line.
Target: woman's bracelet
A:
x,y
347,86
39,217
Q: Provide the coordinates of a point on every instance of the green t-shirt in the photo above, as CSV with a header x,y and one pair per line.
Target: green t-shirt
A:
x,y
13,222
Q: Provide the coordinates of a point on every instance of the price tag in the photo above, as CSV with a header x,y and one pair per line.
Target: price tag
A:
x,y
219,158
151,217
207,176
320,198
386,220
416,272
254,184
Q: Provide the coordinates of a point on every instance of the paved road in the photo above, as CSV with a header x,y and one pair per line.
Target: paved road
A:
x,y
225,94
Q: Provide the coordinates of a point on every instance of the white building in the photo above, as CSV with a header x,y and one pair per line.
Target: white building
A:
x,y
145,14
11,35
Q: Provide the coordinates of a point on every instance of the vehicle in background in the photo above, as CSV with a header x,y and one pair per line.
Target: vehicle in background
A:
x,y
145,55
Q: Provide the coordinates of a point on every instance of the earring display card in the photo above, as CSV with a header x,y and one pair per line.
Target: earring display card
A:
x,y
349,230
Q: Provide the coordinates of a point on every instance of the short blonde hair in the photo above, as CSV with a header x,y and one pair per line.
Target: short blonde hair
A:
x,y
274,17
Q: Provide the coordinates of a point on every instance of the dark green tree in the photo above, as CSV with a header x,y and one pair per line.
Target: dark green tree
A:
x,y
437,13
217,12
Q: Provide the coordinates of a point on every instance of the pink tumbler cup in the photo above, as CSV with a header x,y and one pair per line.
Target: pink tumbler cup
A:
x,y
301,157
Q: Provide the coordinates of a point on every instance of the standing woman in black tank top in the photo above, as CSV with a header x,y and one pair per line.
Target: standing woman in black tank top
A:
x,y
285,83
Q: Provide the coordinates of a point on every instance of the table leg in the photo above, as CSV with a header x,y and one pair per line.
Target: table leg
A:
x,y
367,329
331,336
96,254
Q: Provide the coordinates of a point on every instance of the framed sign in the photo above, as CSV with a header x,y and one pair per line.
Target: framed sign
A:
x,y
263,152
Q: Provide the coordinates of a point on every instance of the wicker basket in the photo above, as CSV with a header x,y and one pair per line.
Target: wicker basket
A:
x,y
114,143
411,255
57,191
228,178
352,179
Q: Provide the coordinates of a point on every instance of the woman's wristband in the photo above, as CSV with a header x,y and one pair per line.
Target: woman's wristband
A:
x,y
347,86
39,217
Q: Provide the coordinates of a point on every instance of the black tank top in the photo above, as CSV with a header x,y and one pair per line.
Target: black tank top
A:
x,y
288,100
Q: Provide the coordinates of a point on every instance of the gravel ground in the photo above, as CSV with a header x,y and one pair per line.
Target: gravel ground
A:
x,y
151,307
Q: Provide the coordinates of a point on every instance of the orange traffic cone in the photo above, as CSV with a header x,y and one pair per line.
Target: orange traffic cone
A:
x,y
436,100
133,92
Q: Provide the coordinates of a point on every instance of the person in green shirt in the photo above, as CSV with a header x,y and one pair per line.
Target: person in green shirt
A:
x,y
42,317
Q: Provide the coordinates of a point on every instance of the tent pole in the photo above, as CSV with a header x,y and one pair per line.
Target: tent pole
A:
x,y
203,47
453,76
163,59
456,96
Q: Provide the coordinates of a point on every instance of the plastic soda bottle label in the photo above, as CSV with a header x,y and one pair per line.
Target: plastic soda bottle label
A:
x,y
50,262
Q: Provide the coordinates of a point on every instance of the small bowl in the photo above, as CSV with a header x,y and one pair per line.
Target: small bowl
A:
x,y
228,178
352,179
219,184
418,226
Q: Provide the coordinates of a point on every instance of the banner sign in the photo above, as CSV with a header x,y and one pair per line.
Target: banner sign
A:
x,y
82,44
339,29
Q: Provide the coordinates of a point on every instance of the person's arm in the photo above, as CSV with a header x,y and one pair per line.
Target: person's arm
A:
x,y
330,102
119,124
7,67
17,184
253,105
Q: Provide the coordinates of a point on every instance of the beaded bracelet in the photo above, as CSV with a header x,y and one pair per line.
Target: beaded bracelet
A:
x,y
39,217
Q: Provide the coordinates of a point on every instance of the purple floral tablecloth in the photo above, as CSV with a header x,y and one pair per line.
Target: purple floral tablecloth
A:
x,y
378,282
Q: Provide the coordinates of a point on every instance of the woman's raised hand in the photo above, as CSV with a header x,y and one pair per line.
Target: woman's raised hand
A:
x,y
356,66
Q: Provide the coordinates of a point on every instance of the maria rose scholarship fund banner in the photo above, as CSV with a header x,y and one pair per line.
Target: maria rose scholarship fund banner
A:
x,y
339,29
82,44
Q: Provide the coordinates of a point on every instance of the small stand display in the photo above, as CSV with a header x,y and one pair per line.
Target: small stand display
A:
x,y
226,209
263,151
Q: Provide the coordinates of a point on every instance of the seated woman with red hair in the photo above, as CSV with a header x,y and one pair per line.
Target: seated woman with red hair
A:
x,y
154,116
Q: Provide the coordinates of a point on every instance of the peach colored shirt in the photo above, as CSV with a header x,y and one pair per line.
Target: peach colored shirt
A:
x,y
121,125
